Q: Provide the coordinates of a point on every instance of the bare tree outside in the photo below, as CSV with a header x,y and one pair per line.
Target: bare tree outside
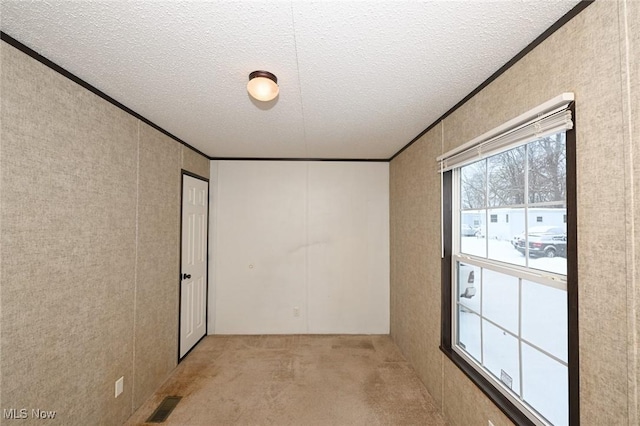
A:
x,y
547,169
500,180
506,178
473,179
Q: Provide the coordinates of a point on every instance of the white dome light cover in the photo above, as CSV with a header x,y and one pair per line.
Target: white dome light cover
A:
x,y
263,86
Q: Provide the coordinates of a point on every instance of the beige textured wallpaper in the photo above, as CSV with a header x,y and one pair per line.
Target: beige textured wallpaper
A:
x,y
156,315
585,57
89,260
415,255
633,35
68,235
631,68
194,162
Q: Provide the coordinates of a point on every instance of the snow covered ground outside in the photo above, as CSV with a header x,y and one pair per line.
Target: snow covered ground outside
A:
x,y
542,322
505,252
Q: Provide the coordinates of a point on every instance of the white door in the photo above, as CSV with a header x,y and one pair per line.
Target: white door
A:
x,y
193,279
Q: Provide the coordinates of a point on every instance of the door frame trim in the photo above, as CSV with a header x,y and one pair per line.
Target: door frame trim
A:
x,y
184,173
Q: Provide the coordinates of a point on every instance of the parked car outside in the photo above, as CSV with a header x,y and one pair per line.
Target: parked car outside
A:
x,y
467,230
549,241
466,278
516,239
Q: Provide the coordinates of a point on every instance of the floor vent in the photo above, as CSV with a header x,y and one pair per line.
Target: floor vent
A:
x,y
164,409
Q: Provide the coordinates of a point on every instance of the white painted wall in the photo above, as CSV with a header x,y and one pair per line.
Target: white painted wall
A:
x,y
306,235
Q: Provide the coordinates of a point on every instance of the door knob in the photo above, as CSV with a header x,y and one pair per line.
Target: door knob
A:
x,y
186,276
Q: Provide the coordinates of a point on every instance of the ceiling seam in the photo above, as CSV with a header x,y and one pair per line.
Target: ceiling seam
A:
x,y
295,49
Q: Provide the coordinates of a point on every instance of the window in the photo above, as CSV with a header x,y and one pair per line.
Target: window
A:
x,y
509,296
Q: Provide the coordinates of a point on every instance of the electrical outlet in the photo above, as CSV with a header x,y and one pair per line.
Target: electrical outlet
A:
x,y
119,386
296,312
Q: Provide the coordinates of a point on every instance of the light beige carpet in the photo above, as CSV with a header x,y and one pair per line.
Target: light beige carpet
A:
x,y
295,380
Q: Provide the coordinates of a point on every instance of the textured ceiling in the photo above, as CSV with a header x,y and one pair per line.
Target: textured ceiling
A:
x,y
357,79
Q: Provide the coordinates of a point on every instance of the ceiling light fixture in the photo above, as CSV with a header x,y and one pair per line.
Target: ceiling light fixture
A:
x,y
263,85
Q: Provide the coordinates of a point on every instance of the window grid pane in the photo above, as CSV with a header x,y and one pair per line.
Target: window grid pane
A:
x,y
487,220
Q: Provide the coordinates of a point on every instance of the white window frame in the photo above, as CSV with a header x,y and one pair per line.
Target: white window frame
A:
x,y
554,280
